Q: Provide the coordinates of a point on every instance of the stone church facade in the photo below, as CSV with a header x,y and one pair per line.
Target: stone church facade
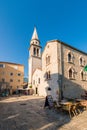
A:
x,y
59,67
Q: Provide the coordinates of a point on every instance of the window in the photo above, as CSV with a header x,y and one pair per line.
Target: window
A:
x,y
19,74
47,60
70,57
39,80
71,73
11,80
18,80
34,51
37,52
3,80
82,75
48,46
11,74
48,76
2,65
81,61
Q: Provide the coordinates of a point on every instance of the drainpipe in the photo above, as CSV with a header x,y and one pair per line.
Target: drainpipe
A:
x,y
60,69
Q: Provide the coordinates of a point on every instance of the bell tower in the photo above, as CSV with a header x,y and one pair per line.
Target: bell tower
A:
x,y
34,61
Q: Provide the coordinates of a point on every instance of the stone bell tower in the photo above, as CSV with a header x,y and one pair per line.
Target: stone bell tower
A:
x,y
34,61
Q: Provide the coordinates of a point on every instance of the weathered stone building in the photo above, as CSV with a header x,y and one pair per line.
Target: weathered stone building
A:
x,y
60,67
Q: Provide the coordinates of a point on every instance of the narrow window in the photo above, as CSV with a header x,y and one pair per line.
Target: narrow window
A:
x,y
48,76
3,80
39,80
11,80
70,73
19,74
18,80
80,61
37,52
69,57
34,51
11,74
82,77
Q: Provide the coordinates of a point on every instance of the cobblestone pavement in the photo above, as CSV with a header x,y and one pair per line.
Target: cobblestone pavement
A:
x,y
27,113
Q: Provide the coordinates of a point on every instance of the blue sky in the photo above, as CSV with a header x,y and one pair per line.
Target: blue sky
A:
x,y
64,20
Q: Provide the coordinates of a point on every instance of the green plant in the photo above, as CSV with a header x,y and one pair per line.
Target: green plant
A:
x,y
30,86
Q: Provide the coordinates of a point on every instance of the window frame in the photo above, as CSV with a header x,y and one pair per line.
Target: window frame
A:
x,y
11,80
2,65
72,77
70,57
81,61
82,75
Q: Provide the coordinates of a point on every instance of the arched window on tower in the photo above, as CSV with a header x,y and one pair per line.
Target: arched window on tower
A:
x,y
37,52
34,51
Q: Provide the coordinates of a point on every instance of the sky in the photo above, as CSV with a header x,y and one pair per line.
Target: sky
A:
x,y
65,20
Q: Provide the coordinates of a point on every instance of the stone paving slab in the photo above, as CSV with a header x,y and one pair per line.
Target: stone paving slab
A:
x,y
28,113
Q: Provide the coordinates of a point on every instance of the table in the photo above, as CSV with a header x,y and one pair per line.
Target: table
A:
x,y
71,107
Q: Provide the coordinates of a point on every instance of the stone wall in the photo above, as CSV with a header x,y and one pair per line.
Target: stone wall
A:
x,y
75,87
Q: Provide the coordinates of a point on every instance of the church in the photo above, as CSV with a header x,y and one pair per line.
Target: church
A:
x,y
59,69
